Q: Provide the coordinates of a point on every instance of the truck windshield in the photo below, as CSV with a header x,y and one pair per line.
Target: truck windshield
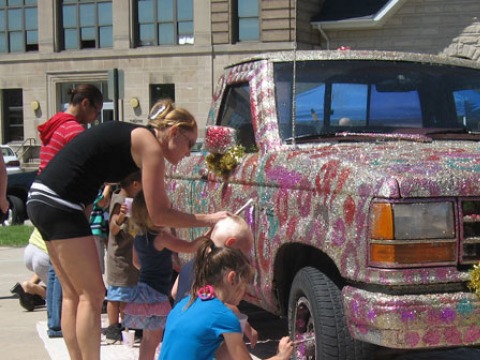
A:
x,y
376,97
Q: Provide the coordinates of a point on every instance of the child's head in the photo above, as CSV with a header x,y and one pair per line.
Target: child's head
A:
x,y
132,184
233,231
140,214
227,269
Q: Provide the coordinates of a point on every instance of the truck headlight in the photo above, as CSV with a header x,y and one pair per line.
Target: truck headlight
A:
x,y
417,233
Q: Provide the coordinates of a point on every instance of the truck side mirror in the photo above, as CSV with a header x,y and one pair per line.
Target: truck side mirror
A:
x,y
219,139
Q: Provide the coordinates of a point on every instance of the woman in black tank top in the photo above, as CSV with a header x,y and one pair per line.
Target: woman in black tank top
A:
x,y
69,184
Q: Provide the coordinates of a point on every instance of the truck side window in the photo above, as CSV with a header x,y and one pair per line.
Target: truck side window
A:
x,y
236,113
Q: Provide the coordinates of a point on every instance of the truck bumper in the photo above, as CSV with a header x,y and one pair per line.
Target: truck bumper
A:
x,y
413,321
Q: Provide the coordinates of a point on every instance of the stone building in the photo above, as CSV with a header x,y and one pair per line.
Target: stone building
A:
x,y
177,48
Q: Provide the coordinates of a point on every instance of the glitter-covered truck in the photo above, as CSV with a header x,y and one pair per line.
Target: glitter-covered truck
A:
x,y
364,174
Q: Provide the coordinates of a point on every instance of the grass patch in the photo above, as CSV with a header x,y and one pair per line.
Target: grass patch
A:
x,y
16,235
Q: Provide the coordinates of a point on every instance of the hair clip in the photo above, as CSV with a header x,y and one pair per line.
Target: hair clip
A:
x,y
206,293
158,112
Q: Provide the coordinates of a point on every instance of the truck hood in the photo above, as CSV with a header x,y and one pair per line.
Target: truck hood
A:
x,y
398,169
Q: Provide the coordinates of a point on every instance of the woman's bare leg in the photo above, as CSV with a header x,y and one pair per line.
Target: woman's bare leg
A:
x,y
76,265
150,341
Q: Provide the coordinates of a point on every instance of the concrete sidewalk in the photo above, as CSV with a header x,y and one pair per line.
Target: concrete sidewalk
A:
x,y
22,331
19,337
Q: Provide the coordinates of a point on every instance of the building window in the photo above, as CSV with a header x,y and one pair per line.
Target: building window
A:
x,y
86,24
12,100
18,26
246,20
161,91
165,22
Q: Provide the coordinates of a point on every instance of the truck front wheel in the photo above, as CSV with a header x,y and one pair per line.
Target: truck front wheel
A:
x,y
316,320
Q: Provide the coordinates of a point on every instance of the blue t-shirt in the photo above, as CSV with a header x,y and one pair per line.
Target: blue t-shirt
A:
x,y
195,332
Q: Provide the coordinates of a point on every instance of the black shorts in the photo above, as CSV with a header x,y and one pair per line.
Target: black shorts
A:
x,y
55,223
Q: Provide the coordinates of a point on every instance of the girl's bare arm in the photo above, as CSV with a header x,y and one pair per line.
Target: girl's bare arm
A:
x,y
166,240
236,346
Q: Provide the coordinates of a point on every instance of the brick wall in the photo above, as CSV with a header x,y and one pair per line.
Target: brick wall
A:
x,y
307,37
277,19
221,26
427,26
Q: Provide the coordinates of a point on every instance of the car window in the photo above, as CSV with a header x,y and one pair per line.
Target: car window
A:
x,y
380,96
236,113
7,151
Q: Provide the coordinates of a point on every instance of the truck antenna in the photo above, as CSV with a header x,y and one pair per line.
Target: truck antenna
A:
x,y
294,78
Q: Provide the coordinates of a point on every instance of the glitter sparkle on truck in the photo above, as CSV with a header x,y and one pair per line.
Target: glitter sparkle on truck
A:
x,y
366,194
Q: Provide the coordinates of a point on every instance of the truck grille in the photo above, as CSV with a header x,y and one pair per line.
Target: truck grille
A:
x,y
470,231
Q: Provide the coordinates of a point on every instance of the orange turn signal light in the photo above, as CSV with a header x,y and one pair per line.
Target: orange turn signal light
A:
x,y
412,253
381,226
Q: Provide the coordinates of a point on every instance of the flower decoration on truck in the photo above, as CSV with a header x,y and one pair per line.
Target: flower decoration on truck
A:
x,y
224,153
474,283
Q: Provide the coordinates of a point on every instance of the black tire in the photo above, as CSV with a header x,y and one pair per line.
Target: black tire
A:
x,y
315,315
16,214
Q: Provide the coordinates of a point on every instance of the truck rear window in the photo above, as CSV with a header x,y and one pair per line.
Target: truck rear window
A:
x,y
376,96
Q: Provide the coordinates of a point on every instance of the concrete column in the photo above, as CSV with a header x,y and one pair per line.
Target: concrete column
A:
x,y
122,23
202,24
46,26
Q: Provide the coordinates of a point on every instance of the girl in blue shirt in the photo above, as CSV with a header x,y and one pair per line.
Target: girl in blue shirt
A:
x,y
198,324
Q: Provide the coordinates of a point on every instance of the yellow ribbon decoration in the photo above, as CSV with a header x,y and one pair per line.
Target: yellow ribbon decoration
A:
x,y
474,283
223,164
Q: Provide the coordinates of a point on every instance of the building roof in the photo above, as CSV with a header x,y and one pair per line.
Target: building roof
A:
x,y
347,9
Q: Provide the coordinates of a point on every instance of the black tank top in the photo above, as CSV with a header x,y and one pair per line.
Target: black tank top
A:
x,y
99,154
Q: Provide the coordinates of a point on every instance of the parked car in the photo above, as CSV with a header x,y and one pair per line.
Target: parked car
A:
x,y
11,160
17,190
363,168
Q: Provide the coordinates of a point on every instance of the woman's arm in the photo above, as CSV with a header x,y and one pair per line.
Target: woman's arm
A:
x,y
148,155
